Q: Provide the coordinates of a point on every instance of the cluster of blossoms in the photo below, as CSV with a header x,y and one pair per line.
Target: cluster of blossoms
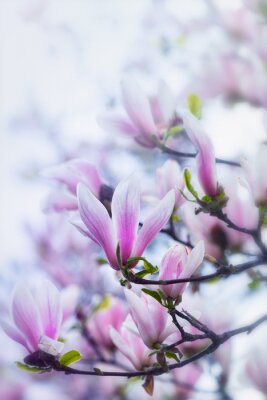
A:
x,y
102,242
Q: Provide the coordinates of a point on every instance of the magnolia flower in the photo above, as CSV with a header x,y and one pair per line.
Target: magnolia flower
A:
x,y
99,324
168,177
147,119
256,178
35,322
189,374
132,347
152,320
256,368
69,174
122,227
216,235
205,159
180,263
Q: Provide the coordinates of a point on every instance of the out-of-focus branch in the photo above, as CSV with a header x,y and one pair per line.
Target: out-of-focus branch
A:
x,y
179,154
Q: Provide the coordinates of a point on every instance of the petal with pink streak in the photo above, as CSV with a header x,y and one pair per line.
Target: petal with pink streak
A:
x,y
158,315
14,333
206,165
125,214
87,173
166,102
26,316
74,171
49,305
118,125
194,260
59,201
154,223
138,107
119,340
141,317
98,223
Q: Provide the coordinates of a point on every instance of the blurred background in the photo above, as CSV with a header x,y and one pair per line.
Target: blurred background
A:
x,y
61,64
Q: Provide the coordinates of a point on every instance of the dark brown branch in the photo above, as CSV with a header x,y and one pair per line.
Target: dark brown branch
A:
x,y
179,154
222,271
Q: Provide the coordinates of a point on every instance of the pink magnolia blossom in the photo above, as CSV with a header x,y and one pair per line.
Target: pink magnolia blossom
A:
x,y
147,119
152,320
255,175
180,263
99,324
69,174
256,368
122,227
189,374
168,177
132,347
216,235
205,159
35,321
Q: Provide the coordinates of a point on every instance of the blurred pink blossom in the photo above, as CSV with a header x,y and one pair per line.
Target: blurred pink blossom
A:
x,y
205,159
98,326
132,347
148,119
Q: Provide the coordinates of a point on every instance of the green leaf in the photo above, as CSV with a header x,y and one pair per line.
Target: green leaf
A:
x,y
151,269
142,274
123,282
194,104
104,303
214,280
153,294
26,367
118,255
187,179
176,218
172,356
101,261
206,199
253,285
174,131
70,357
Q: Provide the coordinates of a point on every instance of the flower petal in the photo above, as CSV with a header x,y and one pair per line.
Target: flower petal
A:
x,y
125,214
59,201
194,259
49,305
154,223
137,106
26,316
74,171
123,346
118,125
166,102
98,223
13,333
206,165
141,317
